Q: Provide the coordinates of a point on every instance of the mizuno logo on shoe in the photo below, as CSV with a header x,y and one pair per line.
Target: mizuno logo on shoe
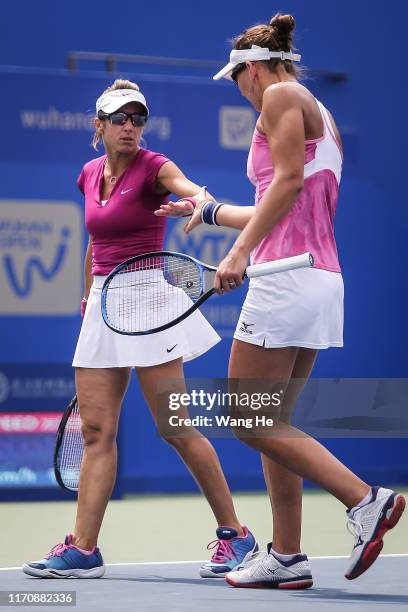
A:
x,y
359,542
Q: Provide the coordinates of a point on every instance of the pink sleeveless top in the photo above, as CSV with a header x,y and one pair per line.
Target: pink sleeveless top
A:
x,y
308,226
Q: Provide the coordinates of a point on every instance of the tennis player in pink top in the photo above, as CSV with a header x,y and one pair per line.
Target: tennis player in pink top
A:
x,y
295,165
122,190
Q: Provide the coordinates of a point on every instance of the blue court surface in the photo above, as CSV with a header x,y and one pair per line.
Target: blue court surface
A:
x,y
177,586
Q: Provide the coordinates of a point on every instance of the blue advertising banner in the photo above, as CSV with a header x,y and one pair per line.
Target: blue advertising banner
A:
x,y
32,400
206,129
50,118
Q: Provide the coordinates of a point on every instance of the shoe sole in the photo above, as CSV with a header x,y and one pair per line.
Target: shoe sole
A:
x,y
298,584
95,572
207,573
373,548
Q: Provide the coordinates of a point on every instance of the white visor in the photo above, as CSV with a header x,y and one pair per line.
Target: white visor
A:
x,y
255,54
114,100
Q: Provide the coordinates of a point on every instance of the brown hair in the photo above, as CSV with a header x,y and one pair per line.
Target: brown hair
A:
x,y
118,84
277,35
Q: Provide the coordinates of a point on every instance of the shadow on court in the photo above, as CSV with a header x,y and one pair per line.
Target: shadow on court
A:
x,y
347,596
177,587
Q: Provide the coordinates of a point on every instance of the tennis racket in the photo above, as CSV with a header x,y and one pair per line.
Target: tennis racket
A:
x,y
69,447
152,292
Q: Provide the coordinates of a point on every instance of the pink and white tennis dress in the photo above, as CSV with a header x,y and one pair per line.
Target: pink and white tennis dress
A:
x,y
302,307
122,227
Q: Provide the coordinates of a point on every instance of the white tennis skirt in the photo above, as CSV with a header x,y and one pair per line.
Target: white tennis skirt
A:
x,y
100,347
302,307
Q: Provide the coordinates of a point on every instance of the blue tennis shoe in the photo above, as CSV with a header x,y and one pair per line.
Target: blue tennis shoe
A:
x,y
67,561
230,552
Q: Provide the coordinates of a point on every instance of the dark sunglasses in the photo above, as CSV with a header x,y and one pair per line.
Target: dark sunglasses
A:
x,y
121,118
237,70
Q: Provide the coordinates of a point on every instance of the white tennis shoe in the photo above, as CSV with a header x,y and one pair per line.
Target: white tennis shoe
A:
x,y
266,571
368,524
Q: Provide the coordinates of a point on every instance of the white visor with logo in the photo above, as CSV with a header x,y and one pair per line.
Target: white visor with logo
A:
x,y
255,54
112,101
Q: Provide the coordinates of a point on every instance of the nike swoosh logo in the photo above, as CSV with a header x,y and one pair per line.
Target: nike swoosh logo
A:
x,y
170,349
125,191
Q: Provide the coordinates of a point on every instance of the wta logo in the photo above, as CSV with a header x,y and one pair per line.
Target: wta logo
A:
x,y
40,257
206,242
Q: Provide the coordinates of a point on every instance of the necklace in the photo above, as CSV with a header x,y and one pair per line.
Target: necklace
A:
x,y
112,179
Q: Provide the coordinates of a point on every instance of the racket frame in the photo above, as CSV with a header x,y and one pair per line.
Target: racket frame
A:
x,y
203,296
304,260
58,442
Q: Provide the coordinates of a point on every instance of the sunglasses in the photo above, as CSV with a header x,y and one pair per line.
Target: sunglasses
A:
x,y
237,70
121,118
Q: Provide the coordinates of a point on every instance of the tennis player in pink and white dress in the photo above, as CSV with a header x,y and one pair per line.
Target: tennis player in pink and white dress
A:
x,y
295,165
122,190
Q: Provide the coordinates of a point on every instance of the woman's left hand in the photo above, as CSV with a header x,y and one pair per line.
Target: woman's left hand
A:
x,y
230,272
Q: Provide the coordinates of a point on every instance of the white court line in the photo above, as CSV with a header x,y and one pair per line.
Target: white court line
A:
x,y
205,560
348,556
157,563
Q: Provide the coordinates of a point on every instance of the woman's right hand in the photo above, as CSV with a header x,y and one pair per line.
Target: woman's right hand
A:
x,y
181,208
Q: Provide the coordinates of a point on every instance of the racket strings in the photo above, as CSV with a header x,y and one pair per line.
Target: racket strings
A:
x,y
152,292
71,450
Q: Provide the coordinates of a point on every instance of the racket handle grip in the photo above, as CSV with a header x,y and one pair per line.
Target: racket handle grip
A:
x,y
280,265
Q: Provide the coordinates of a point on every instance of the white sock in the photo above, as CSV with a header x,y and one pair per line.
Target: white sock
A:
x,y
281,557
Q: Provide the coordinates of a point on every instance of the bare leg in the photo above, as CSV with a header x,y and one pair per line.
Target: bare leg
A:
x,y
284,487
299,454
196,451
100,393
285,493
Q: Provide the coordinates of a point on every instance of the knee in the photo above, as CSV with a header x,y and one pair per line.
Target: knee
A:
x,y
96,433
182,443
242,434
179,443
258,439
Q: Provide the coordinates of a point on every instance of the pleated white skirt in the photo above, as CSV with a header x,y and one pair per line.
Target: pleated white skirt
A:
x,y
100,347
